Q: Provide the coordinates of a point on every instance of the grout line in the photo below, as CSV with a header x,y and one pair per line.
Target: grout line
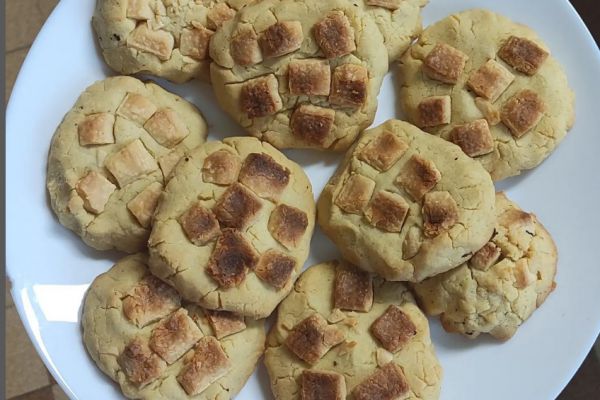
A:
x,y
18,48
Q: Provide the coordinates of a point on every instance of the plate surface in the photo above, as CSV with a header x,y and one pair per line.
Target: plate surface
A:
x,y
50,268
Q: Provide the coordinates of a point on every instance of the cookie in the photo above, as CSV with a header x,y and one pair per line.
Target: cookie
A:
x,y
164,38
407,205
343,332
139,332
111,156
234,225
399,21
502,284
300,74
491,86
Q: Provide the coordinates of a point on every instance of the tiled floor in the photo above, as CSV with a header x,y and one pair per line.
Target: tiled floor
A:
x,y
36,383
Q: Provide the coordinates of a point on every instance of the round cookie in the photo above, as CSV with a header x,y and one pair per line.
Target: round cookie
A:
x,y
399,21
169,39
233,227
490,85
140,334
407,205
344,332
300,73
504,282
111,156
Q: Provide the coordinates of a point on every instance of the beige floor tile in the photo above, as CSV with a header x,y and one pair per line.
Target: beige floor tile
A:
x,y
25,372
58,393
24,19
13,61
8,302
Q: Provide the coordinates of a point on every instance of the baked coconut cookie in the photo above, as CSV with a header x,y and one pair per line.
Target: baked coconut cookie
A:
x,y
491,86
234,225
502,284
300,73
139,332
343,333
399,21
166,38
407,205
111,156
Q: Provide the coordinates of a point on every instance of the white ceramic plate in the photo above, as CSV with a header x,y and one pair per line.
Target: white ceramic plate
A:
x,y
50,268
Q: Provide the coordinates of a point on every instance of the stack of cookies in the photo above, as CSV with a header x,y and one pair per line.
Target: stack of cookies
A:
x,y
218,232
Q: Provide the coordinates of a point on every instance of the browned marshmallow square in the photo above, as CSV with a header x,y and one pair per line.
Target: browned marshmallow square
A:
x,y
387,211
139,364
434,111
143,205
440,213
522,112
275,268
394,329
353,289
312,338
167,127
418,176
288,224
387,383
264,176
485,257
225,323
194,42
322,385
349,86
219,14
200,225
523,55
355,194
130,163
96,129
221,168
159,42
522,275
139,10
244,46
334,35
136,108
174,336
474,138
444,63
259,97
232,257
313,124
150,300
310,77
383,151
490,81
208,364
237,207
95,190
281,38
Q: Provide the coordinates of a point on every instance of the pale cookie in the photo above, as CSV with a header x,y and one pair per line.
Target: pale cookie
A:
x,y
508,101
399,21
111,156
166,38
140,334
502,284
407,205
343,333
300,74
234,225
